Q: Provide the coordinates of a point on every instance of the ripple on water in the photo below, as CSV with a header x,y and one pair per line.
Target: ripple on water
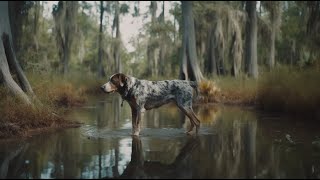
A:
x,y
94,132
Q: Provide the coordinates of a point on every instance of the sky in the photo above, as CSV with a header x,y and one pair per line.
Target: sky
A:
x,y
130,26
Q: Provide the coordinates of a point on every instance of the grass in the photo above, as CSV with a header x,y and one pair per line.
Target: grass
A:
x,y
67,91
56,94
17,118
284,89
291,91
229,90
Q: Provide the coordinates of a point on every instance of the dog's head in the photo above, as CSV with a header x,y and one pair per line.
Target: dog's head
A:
x,y
115,83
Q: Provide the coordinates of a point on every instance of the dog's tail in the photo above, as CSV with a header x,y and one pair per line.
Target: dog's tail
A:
x,y
194,84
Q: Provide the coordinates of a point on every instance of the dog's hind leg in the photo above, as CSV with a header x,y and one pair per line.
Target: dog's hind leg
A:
x,y
193,119
196,120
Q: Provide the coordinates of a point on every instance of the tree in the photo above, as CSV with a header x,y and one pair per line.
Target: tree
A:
x,y
8,57
189,68
65,24
152,43
219,36
118,10
35,26
313,27
116,25
251,64
274,9
162,51
101,72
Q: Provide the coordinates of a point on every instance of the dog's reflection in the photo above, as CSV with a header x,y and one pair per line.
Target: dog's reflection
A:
x,y
180,168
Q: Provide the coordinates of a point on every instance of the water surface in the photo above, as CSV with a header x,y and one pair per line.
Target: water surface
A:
x,y
233,142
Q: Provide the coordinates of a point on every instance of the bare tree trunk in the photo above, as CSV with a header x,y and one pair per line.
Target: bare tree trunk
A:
x,y
6,44
7,79
16,22
272,48
152,59
65,24
101,72
211,65
189,68
251,64
236,52
162,45
36,23
66,57
13,62
117,43
275,19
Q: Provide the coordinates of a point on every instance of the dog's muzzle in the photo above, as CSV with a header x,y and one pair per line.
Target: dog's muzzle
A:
x,y
104,90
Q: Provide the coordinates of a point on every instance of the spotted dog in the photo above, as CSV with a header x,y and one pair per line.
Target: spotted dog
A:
x,y
145,95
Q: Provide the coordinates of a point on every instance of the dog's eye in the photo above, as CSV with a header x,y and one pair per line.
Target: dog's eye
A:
x,y
113,81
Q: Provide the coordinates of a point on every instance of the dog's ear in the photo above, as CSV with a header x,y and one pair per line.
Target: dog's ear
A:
x,y
123,79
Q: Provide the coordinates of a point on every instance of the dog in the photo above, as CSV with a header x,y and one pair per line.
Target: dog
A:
x,y
144,95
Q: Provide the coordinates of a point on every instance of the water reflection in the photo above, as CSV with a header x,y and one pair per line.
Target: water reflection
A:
x,y
233,143
181,167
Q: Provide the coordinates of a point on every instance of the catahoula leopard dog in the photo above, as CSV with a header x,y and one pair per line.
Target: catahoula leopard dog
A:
x,y
144,95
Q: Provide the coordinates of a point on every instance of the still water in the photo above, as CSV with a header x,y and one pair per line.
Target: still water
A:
x,y
233,142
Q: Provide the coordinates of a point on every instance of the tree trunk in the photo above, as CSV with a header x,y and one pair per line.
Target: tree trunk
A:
x,y
189,68
236,54
65,25
152,59
272,48
7,79
36,23
211,65
275,19
162,45
66,57
117,43
14,64
101,72
6,41
16,22
251,64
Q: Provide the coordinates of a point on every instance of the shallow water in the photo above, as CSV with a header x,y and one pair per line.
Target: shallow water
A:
x,y
233,142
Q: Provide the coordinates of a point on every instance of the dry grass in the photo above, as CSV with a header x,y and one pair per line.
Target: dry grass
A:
x,y
209,92
229,90
241,90
56,93
17,118
291,91
66,95
68,91
284,89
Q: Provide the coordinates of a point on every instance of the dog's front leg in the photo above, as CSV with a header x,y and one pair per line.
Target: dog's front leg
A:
x,y
137,116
